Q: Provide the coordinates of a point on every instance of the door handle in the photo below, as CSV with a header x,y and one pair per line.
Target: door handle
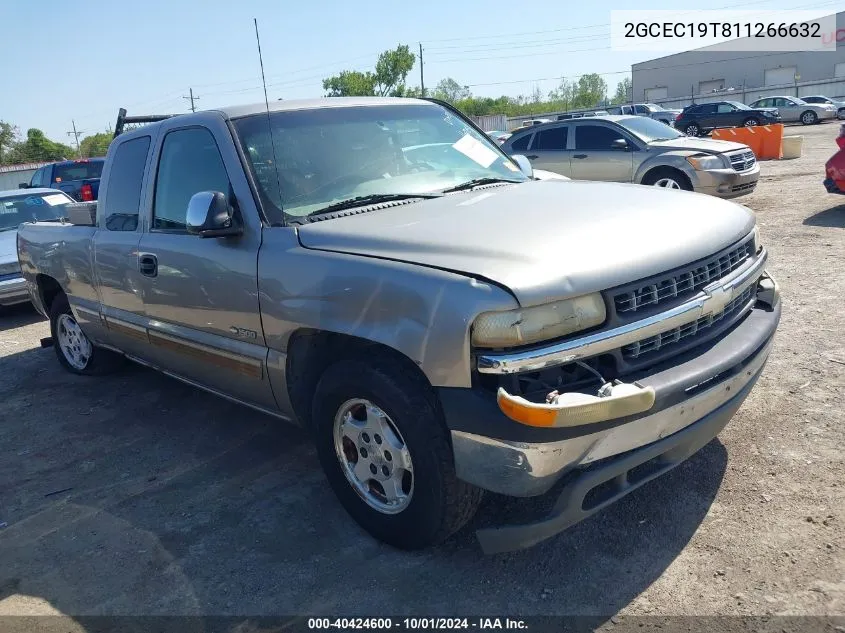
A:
x,y
532,157
148,264
579,156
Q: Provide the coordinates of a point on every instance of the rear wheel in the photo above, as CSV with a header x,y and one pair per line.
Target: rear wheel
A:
x,y
667,178
809,118
750,122
692,129
386,453
75,351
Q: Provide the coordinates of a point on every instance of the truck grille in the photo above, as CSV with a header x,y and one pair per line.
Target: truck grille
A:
x,y
656,342
742,160
684,281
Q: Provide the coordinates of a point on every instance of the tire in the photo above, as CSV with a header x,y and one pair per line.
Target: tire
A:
x,y
692,129
75,352
667,178
436,503
750,122
809,118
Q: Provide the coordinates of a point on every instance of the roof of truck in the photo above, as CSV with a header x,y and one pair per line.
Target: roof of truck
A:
x,y
234,112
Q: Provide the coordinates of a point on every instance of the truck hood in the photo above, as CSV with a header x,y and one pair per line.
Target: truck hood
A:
x,y
704,145
543,240
8,246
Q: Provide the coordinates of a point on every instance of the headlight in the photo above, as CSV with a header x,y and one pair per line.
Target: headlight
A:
x,y
755,240
704,162
538,323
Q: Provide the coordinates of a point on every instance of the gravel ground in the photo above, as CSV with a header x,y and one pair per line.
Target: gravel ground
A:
x,y
135,494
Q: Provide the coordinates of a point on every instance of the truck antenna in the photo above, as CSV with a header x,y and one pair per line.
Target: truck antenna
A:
x,y
267,107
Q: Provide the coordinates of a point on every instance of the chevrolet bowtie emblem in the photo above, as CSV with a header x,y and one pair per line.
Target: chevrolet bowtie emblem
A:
x,y
717,299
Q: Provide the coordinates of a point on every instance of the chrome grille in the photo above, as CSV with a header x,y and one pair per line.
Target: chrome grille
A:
x,y
742,160
654,343
684,281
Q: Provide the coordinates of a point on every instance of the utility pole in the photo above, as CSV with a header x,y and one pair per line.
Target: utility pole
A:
x,y
192,98
422,80
75,134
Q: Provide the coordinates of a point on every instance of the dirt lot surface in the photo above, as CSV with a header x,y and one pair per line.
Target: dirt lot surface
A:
x,y
135,494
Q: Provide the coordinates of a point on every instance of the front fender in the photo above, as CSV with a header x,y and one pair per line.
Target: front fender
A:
x,y
676,159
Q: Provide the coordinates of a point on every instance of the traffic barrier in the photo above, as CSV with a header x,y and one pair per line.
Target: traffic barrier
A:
x,y
772,145
766,141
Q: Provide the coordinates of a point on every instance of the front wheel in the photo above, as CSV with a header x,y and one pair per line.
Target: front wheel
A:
x,y
692,129
667,178
75,351
809,118
386,454
751,122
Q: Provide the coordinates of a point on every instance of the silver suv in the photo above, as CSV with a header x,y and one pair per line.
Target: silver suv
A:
x,y
639,150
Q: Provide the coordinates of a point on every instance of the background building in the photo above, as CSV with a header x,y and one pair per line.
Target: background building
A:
x,y
714,75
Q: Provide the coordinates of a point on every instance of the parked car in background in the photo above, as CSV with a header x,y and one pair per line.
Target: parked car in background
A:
x,y
822,100
651,110
639,150
795,109
531,122
580,115
440,326
17,207
700,118
499,136
834,180
80,179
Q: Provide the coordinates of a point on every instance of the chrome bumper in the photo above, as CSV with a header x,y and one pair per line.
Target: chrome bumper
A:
x,y
13,291
712,299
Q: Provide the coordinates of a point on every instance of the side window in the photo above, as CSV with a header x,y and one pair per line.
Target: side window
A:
x,y
595,137
190,162
762,103
123,197
725,107
551,139
38,178
521,144
638,109
707,108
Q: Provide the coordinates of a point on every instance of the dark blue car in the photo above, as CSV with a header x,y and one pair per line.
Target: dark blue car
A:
x,y
80,179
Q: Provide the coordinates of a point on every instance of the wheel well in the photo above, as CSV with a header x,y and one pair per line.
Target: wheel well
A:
x,y
311,352
48,290
751,118
805,112
654,171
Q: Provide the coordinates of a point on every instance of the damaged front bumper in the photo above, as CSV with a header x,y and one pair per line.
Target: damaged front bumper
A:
x,y
693,400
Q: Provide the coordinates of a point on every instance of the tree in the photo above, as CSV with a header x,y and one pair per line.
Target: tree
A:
x,y
564,94
8,138
590,91
450,90
350,83
623,91
388,79
95,145
38,148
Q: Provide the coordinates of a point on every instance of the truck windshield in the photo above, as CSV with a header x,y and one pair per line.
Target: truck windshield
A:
x,y
32,207
326,155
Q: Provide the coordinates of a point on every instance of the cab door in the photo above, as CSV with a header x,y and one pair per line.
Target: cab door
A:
x,y
596,155
201,294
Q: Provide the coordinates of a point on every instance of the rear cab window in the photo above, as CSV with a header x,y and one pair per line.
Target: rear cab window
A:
x,y
123,197
78,170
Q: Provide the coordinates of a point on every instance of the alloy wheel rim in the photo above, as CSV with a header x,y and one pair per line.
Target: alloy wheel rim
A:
x,y
667,183
373,456
75,346
692,130
808,118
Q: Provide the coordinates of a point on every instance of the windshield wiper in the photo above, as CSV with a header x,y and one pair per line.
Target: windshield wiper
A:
x,y
476,182
375,198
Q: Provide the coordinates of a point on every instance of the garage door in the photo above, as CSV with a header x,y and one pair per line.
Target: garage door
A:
x,y
780,76
710,86
653,94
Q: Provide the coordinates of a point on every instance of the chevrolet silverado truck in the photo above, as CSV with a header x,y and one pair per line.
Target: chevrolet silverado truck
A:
x,y
378,271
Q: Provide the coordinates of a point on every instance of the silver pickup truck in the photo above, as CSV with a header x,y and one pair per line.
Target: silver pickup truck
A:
x,y
379,272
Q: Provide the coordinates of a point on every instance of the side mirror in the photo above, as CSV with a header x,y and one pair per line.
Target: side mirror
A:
x,y
23,185
524,165
210,215
619,144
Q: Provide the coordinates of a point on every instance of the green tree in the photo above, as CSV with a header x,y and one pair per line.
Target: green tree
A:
x,y
95,145
591,89
350,83
450,90
564,95
391,70
8,138
623,91
37,148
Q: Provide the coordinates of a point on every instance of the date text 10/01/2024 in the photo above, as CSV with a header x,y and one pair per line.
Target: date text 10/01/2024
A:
x,y
416,623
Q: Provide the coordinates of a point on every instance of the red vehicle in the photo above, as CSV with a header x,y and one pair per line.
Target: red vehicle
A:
x,y
835,167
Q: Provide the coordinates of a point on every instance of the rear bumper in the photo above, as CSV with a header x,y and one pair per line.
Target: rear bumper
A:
x,y
13,291
726,183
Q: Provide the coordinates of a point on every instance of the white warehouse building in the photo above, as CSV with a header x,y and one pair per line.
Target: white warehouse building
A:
x,y
715,75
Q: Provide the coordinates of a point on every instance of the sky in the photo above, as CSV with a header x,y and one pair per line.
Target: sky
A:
x,y
79,62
